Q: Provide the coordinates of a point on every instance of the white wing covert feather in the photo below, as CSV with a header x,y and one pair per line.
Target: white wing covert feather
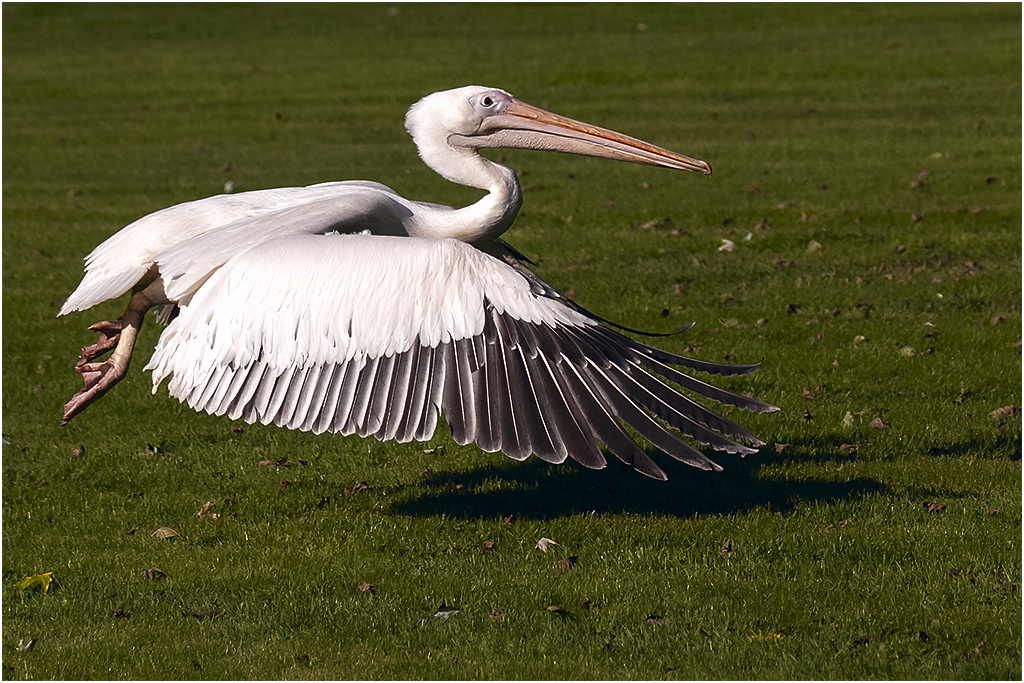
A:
x,y
123,260
185,266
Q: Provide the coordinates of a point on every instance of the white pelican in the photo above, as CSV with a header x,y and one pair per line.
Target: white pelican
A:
x,y
344,307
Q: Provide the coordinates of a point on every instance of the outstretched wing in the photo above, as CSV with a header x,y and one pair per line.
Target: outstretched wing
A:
x,y
369,334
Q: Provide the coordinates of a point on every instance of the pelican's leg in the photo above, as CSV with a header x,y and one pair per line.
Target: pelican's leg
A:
x,y
119,335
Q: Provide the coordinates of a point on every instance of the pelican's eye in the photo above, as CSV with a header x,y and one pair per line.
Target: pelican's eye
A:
x,y
489,101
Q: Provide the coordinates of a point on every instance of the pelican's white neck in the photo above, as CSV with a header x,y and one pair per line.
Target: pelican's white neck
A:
x,y
483,220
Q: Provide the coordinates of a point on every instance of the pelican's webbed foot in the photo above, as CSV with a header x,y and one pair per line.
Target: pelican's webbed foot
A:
x,y
118,335
99,377
110,333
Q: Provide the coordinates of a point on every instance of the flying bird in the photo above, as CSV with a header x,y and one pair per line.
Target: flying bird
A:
x,y
344,307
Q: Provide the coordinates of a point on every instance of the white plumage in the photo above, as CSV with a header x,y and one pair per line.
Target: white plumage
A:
x,y
345,307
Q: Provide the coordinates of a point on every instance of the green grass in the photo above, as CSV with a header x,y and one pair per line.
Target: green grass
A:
x,y
817,119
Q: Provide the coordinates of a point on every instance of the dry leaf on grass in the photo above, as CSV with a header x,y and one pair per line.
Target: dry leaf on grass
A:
x,y
976,650
932,506
664,222
355,488
279,462
770,637
567,563
446,612
783,263
204,511
544,543
38,581
166,532
1005,411
154,573
209,614
726,549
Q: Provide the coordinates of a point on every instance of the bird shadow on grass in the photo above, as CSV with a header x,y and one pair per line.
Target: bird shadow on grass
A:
x,y
1005,445
839,449
537,490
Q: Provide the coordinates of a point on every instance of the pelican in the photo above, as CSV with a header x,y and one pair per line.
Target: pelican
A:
x,y
344,307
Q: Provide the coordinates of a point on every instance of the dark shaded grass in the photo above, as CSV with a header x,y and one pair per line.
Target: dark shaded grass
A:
x,y
816,119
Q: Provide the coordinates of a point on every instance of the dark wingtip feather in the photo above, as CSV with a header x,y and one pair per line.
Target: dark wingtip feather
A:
x,y
644,465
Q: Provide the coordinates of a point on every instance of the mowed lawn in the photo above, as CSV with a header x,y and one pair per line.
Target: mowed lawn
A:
x,y
868,177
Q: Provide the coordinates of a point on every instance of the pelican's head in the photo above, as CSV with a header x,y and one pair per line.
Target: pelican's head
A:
x,y
476,117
